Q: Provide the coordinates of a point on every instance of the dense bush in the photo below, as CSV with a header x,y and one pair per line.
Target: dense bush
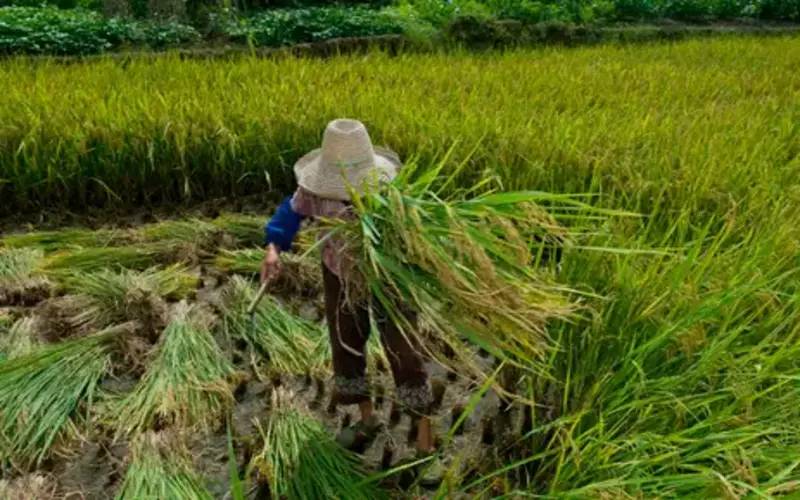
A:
x,y
48,30
287,26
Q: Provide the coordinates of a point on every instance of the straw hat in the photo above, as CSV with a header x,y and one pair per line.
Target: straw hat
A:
x,y
347,160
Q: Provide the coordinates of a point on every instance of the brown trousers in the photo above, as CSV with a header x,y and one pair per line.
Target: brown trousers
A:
x,y
349,328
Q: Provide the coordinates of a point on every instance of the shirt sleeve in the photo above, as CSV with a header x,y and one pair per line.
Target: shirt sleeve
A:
x,y
283,226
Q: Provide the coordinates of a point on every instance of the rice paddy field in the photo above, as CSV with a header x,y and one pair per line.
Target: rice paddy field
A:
x,y
134,192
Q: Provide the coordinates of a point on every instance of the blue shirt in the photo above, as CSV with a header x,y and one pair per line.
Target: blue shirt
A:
x,y
281,229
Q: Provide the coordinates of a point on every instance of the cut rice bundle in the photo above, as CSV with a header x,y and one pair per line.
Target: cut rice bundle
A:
x,y
462,263
18,338
245,229
186,383
159,470
300,273
91,259
289,342
50,241
41,392
106,297
301,460
20,281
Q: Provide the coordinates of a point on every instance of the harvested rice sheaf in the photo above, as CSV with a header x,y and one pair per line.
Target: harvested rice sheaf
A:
x,y
289,342
301,460
21,283
187,383
42,391
160,470
18,338
300,273
462,263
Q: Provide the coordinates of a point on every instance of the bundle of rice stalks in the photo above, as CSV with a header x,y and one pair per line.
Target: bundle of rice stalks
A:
x,y
288,341
17,338
245,229
186,383
106,297
51,241
301,460
462,263
89,259
159,470
41,392
20,281
184,240
300,273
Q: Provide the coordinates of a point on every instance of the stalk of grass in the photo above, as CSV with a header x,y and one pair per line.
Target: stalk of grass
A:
x,y
42,391
301,460
158,469
187,384
289,342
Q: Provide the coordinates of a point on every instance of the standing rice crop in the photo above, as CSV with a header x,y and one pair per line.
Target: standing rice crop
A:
x,y
159,470
186,384
42,391
301,460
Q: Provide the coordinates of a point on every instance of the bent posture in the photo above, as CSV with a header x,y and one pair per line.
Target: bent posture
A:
x,y
325,177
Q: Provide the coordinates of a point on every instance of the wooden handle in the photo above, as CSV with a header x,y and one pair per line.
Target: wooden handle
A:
x,y
257,298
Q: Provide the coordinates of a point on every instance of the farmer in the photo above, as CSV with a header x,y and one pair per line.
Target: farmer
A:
x,y
325,177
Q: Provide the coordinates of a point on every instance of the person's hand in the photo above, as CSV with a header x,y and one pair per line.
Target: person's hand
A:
x,y
271,266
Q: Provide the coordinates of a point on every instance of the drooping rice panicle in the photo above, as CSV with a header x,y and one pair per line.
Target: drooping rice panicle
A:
x,y
17,338
186,384
159,469
301,460
288,341
50,241
42,391
299,274
20,280
463,263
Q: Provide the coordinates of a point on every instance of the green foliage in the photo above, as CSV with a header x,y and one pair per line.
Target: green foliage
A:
x,y
285,27
49,30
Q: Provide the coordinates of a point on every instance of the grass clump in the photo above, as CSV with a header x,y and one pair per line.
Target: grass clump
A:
x,y
186,383
301,460
286,340
159,470
42,391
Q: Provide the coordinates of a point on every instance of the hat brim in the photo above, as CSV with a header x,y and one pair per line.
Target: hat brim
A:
x,y
325,182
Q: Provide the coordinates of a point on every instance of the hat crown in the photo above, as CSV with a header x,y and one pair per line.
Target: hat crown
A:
x,y
346,143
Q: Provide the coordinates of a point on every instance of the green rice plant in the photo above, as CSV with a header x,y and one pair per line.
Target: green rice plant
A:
x,y
301,460
41,392
187,383
20,280
158,469
288,341
62,239
110,297
199,233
